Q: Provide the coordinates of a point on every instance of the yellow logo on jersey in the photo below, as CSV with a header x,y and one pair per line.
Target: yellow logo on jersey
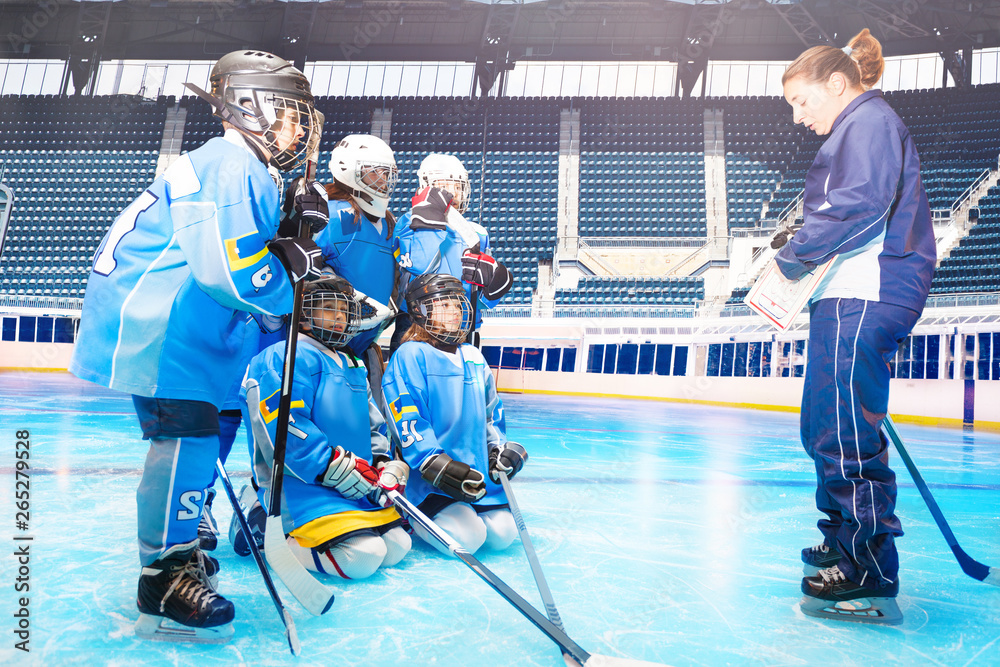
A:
x,y
234,253
398,414
269,406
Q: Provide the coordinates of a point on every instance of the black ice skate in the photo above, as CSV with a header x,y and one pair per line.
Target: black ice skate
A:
x,y
256,519
818,558
208,530
830,594
177,601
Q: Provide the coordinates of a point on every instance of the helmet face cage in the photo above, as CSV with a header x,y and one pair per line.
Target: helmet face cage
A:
x,y
331,315
445,171
268,113
377,178
301,113
460,191
434,314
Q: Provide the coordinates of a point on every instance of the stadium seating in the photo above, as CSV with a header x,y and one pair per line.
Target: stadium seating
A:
x,y
633,291
972,265
73,164
642,167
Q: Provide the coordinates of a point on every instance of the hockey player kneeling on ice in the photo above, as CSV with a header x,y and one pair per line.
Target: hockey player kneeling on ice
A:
x,y
866,210
332,507
162,316
449,421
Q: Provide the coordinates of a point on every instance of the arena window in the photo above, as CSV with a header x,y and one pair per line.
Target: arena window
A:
x,y
552,358
43,330
26,334
569,359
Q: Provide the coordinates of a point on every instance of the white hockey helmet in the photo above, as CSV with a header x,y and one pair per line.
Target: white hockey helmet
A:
x,y
447,172
366,167
261,94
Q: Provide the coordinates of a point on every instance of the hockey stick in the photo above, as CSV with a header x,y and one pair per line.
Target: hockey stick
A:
x,y
571,650
474,330
313,595
286,618
970,566
529,552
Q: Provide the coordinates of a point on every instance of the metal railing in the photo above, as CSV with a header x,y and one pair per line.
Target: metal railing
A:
x,y
643,242
963,300
967,194
27,301
507,312
644,312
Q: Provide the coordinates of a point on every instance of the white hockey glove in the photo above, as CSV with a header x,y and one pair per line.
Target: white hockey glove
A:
x,y
349,474
454,478
393,476
508,458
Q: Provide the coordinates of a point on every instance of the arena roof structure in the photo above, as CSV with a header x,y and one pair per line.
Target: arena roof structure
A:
x,y
492,33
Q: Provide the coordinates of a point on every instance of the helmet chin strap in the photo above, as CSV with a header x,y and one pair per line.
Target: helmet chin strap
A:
x,y
256,145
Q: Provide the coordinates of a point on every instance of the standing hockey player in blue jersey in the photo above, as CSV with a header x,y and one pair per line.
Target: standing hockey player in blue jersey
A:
x,y
330,498
435,237
864,208
449,421
358,243
164,307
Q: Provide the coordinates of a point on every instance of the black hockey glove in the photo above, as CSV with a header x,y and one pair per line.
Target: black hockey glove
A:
x,y
304,203
508,458
454,478
430,209
302,259
780,239
491,276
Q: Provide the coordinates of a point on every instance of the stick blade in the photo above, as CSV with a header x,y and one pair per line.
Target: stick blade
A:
x,y
993,577
597,660
314,596
293,635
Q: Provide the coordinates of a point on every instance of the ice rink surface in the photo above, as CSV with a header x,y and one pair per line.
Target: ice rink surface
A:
x,y
668,532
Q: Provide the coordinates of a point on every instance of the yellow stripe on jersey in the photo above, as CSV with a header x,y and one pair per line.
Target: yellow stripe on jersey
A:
x,y
397,414
269,406
233,253
322,530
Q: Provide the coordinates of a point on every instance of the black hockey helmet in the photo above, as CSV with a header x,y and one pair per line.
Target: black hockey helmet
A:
x,y
434,291
259,93
330,314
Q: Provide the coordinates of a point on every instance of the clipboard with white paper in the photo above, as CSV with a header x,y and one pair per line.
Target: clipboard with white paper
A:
x,y
779,299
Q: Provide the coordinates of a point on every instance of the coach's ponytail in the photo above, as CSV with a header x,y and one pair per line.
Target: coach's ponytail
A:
x,y
860,62
867,53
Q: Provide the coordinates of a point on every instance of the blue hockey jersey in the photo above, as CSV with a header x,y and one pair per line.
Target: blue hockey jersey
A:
x,y
426,250
865,206
360,251
176,273
331,405
443,402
